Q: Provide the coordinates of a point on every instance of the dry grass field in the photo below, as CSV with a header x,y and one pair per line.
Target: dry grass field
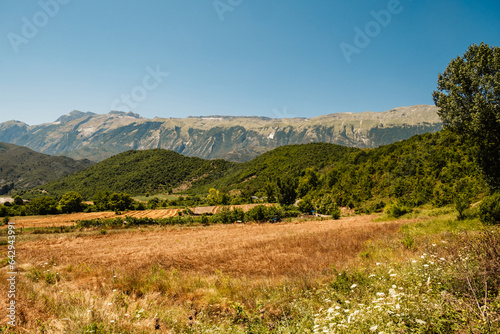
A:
x,y
176,271
70,219
252,249
358,274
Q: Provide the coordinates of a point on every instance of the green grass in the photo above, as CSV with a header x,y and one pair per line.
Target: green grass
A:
x,y
159,196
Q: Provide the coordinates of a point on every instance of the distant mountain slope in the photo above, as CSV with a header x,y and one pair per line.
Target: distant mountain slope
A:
x,y
22,168
139,172
96,137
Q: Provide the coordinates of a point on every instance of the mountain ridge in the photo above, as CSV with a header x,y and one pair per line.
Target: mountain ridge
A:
x,y
23,168
236,138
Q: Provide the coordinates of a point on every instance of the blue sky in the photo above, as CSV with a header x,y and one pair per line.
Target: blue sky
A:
x,y
276,58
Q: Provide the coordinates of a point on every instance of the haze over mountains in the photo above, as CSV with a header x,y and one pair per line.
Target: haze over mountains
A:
x,y
98,136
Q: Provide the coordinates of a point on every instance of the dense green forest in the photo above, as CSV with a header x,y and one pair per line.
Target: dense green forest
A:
x,y
22,168
431,168
140,172
426,168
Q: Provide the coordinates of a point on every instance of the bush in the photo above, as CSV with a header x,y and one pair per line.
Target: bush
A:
x,y
42,206
305,205
335,212
71,202
226,216
397,210
489,210
327,206
257,213
376,207
462,203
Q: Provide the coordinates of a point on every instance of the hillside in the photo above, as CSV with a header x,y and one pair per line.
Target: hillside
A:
x,y
140,172
425,168
291,160
97,137
22,168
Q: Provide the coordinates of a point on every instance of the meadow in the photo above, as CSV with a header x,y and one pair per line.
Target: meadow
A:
x,y
424,272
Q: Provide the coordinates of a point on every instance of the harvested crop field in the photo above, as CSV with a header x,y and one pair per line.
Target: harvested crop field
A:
x,y
166,275
252,249
71,219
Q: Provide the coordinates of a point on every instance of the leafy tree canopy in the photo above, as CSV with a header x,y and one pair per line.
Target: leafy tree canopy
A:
x,y
71,202
468,97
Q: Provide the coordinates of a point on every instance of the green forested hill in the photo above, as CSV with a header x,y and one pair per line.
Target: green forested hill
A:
x,y
425,168
22,168
286,161
139,172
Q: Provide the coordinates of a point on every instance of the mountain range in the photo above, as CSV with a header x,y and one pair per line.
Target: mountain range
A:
x,y
87,135
22,168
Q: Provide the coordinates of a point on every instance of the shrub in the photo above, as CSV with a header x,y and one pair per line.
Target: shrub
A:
x,y
3,211
335,212
327,206
305,205
462,203
71,202
376,206
18,200
5,220
489,210
397,210
257,213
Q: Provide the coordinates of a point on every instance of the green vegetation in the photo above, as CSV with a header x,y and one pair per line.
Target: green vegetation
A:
x,y
489,211
140,172
259,214
468,99
435,169
22,168
285,163
430,168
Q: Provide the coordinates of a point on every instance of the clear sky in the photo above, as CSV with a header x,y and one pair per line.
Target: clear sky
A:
x,y
276,58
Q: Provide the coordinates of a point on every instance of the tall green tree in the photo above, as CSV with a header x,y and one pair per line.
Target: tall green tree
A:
x,y
71,202
42,206
287,192
101,200
468,98
121,201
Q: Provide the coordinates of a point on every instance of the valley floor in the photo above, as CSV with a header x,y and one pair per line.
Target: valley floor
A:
x,y
291,277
